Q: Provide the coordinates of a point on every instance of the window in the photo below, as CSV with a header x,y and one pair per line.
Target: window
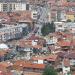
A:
x,y
27,6
73,8
60,26
10,7
5,7
14,7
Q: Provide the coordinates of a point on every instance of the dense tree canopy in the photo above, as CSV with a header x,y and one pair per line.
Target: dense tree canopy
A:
x,y
47,28
49,71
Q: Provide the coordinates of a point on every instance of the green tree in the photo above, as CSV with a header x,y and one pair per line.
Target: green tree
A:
x,y
48,28
49,71
52,27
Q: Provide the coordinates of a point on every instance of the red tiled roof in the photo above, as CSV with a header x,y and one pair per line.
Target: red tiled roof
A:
x,y
4,17
22,64
5,73
24,43
4,64
4,67
71,55
73,74
67,35
66,62
52,57
64,43
3,52
48,58
26,15
33,37
73,42
16,17
28,43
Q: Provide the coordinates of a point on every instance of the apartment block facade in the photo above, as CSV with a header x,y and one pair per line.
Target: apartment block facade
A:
x,y
66,10
70,9
62,10
13,5
12,32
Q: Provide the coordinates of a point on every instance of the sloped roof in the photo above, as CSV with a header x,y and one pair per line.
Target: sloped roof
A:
x,y
66,62
48,58
64,43
21,63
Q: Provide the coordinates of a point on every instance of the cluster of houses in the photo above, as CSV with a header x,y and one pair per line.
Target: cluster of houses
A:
x,y
30,56
35,52
55,49
14,25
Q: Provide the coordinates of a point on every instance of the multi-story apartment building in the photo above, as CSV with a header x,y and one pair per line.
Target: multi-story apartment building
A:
x,y
53,8
62,10
57,10
66,10
70,9
12,32
13,5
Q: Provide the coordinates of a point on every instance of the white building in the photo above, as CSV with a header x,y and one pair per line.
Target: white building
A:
x,y
11,32
51,39
71,27
3,46
34,15
66,66
13,5
59,26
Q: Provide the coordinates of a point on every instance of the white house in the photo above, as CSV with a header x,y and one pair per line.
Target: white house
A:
x,y
51,39
59,26
34,15
39,61
66,66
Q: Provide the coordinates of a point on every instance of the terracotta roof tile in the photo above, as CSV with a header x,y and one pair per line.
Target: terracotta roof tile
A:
x,y
16,17
64,43
66,62
28,43
24,43
3,52
4,66
33,37
71,55
48,58
21,64
52,57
